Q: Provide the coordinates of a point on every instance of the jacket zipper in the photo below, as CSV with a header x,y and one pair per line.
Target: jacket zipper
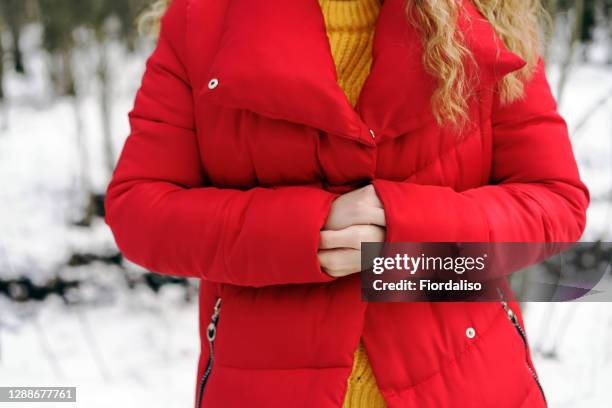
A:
x,y
211,332
514,320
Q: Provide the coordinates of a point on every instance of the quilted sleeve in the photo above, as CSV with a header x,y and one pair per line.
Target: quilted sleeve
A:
x,y
164,216
535,194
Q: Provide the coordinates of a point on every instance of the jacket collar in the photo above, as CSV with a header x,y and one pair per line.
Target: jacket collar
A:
x,y
274,59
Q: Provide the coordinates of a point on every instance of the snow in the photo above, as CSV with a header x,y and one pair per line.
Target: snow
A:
x,y
580,374
140,351
135,348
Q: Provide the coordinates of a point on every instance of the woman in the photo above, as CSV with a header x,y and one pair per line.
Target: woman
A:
x,y
270,138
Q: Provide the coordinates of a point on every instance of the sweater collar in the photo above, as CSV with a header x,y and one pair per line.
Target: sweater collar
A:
x,y
350,15
274,59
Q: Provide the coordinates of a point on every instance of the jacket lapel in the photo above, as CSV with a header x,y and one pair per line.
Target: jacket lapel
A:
x,y
396,98
274,59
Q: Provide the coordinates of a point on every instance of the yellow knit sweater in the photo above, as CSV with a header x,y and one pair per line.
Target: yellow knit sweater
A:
x,y
350,29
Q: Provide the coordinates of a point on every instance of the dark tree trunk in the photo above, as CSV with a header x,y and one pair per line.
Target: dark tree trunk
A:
x,y
106,107
17,53
573,41
3,113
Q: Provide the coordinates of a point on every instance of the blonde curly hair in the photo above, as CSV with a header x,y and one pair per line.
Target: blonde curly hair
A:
x,y
517,22
149,21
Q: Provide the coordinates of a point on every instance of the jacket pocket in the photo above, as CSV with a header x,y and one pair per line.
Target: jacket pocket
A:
x,y
521,332
211,333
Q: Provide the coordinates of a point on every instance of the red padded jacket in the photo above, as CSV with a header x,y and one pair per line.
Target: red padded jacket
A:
x,y
241,139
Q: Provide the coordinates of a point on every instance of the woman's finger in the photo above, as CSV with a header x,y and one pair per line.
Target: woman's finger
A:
x,y
372,215
340,262
360,206
351,237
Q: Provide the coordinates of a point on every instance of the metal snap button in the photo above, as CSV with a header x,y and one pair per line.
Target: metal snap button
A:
x,y
470,333
213,83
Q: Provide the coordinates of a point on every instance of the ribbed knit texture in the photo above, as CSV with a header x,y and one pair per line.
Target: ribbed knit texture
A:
x,y
350,29
362,389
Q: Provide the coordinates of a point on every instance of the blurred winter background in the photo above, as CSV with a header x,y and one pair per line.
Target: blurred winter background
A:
x,y
74,313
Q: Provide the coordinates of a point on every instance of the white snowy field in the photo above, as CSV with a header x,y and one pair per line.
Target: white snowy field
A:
x,y
139,351
134,348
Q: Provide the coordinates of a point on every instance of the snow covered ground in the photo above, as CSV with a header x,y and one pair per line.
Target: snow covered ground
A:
x,y
139,349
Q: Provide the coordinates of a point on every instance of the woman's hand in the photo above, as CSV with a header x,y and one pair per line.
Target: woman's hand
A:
x,y
358,207
355,217
340,251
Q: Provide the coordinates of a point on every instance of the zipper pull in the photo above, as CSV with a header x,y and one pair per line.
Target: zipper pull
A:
x,y
509,312
211,330
507,308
